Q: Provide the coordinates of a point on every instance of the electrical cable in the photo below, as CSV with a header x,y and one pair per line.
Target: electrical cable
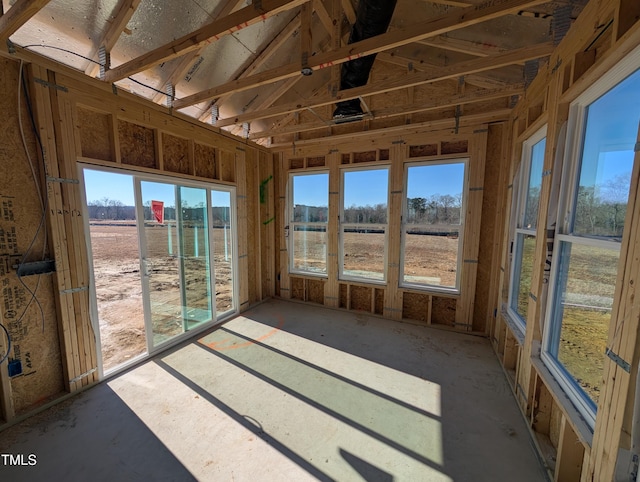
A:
x,y
43,201
30,47
6,355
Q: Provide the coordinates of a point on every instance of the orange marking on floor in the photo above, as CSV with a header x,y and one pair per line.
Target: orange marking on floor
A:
x,y
221,344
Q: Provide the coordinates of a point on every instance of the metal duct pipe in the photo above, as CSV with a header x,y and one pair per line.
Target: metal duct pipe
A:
x,y
372,18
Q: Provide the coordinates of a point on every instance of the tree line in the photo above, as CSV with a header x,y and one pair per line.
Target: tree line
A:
x,y
114,210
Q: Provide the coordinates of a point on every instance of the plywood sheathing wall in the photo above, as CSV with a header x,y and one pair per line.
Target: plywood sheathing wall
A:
x,y
604,33
455,311
32,323
79,119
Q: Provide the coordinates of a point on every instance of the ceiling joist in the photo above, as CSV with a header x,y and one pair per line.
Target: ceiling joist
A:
x,y
396,38
217,29
126,9
410,79
409,108
19,14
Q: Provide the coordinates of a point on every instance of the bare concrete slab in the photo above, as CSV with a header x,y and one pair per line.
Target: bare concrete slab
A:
x,y
291,392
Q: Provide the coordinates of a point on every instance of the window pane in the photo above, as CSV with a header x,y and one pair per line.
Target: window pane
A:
x,y
434,194
431,256
535,183
222,249
365,196
607,161
432,224
194,232
583,302
310,248
364,253
524,251
310,198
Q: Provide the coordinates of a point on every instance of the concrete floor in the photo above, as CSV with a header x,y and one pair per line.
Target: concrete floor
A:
x,y
291,392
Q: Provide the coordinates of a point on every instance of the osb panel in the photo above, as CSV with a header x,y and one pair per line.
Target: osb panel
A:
x,y
315,161
315,291
369,156
384,154
454,147
554,425
175,152
137,145
443,311
345,159
415,306
227,166
297,288
433,115
343,296
34,333
205,161
360,298
297,163
423,150
95,134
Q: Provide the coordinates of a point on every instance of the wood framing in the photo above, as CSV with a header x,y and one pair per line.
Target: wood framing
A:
x,y
18,15
215,30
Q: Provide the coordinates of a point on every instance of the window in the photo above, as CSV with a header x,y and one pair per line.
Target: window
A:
x,y
526,220
308,223
363,223
596,184
432,224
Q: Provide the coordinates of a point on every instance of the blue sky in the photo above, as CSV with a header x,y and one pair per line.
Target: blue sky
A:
x,y
101,184
439,179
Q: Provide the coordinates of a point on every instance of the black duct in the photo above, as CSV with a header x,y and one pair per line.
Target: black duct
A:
x,y
372,18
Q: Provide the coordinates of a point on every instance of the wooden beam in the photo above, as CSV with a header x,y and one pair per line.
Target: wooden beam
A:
x,y
437,125
306,49
416,78
349,11
18,15
214,31
414,64
126,9
463,46
409,108
436,26
188,60
323,15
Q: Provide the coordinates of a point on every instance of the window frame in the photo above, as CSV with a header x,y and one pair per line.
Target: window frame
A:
x,y
576,131
455,290
520,197
341,225
292,225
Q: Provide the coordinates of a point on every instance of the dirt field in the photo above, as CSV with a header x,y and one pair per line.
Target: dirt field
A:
x,y
428,259
119,289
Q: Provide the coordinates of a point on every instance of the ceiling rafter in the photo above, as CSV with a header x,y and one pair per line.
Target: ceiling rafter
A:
x,y
483,81
409,108
19,14
224,9
449,123
436,26
415,78
125,10
215,30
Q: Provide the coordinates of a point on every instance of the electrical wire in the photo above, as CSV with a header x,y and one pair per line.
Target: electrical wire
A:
x,y
31,46
43,200
6,355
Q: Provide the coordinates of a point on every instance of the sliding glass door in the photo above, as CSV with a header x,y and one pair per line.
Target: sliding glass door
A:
x,y
185,245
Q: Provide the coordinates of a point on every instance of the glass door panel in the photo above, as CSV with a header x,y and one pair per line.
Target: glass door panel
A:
x,y
223,250
161,260
116,267
195,264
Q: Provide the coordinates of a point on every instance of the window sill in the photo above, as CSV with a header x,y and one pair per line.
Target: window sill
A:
x,y
515,326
